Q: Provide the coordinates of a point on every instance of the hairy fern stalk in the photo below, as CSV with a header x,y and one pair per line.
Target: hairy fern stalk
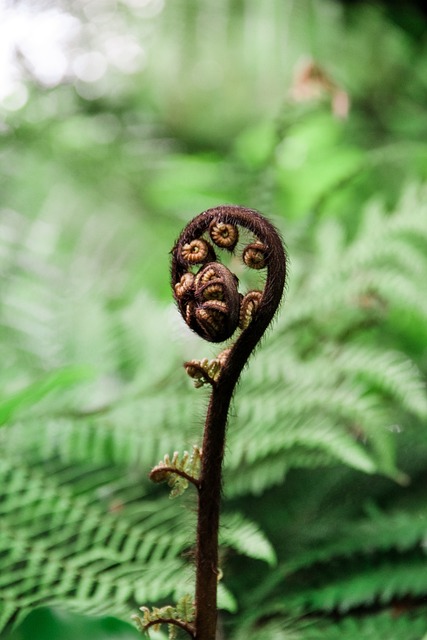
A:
x,y
209,300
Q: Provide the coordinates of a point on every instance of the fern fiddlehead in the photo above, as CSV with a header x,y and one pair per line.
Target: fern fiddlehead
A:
x,y
208,298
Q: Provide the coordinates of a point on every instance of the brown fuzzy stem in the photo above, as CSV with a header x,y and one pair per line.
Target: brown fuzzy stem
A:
x,y
269,251
208,513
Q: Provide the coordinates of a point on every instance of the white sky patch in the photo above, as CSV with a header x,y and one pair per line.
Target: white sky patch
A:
x,y
36,41
51,45
90,66
125,53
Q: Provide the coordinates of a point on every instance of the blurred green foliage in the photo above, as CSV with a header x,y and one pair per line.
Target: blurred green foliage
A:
x,y
49,624
162,110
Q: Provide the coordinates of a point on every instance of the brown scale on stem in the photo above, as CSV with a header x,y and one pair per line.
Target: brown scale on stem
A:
x,y
209,300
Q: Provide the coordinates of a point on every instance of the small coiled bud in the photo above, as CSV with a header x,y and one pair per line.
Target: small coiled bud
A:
x,y
254,255
248,306
212,317
224,235
196,252
204,276
211,302
213,291
184,285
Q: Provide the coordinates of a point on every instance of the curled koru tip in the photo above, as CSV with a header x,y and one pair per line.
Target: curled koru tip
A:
x,y
207,292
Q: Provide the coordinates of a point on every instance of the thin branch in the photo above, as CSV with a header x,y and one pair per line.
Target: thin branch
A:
x,y
186,626
160,469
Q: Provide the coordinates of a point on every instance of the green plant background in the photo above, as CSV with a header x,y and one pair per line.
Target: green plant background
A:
x,y
324,525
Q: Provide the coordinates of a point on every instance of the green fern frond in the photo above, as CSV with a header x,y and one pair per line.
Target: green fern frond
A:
x,y
364,549
381,259
245,536
381,532
61,546
133,432
274,629
83,537
387,373
13,405
392,624
362,585
271,469
302,433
